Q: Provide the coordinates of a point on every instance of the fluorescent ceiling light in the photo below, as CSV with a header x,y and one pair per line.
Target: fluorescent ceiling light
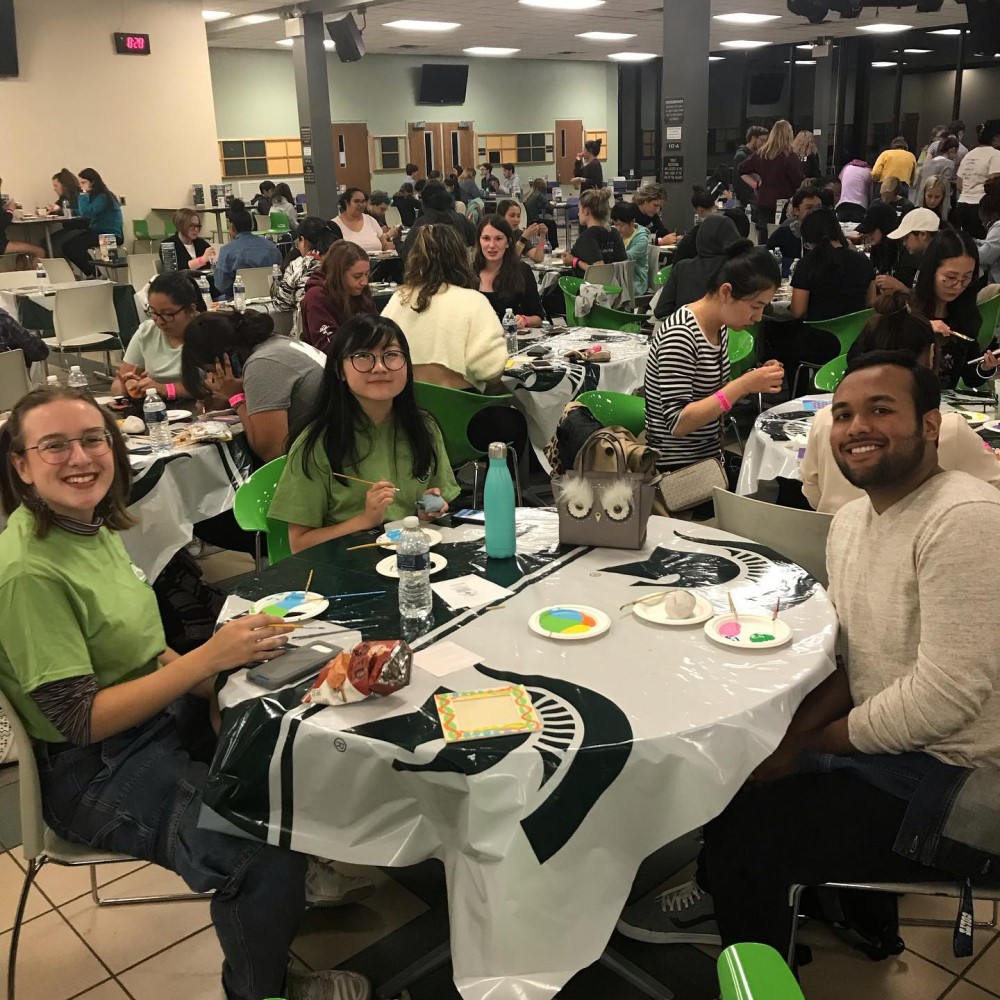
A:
x,y
946,31
917,52
631,56
288,42
489,50
258,18
606,36
809,47
743,43
215,15
716,58
422,25
882,65
884,28
563,4
746,18
805,62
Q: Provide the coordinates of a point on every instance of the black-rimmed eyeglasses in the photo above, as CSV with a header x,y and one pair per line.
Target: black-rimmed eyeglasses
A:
x,y
364,361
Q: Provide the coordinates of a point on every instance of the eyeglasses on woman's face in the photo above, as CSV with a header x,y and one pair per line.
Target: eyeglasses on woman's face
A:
x,y
365,361
164,317
58,449
954,280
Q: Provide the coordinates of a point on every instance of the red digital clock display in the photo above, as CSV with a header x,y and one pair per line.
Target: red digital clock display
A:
x,y
128,43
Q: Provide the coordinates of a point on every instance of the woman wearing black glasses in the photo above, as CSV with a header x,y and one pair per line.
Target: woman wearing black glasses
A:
x,y
153,356
366,424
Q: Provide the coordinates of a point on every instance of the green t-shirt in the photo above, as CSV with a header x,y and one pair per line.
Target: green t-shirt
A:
x,y
320,500
150,349
70,605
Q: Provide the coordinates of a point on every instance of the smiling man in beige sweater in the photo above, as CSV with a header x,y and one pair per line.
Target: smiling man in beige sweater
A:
x,y
889,769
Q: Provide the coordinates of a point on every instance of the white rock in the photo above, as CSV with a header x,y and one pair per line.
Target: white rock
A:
x,y
679,604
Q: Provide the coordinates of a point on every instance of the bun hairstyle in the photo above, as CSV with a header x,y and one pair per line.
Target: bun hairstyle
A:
x,y
181,287
593,146
896,326
702,197
436,195
237,214
597,201
748,269
210,336
319,233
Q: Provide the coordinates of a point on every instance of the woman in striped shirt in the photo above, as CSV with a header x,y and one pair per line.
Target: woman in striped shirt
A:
x,y
688,389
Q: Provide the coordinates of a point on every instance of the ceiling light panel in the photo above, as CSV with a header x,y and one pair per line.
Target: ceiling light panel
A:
x,y
606,36
215,15
884,28
631,56
747,18
406,25
744,43
489,50
563,4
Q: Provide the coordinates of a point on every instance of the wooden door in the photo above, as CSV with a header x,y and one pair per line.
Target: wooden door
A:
x,y
569,143
350,154
458,146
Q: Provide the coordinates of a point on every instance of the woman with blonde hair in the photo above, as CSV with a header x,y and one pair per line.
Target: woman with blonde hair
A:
x,y
804,147
193,252
454,335
597,243
649,201
778,172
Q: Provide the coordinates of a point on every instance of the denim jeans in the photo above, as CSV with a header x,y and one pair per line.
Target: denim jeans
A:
x,y
140,793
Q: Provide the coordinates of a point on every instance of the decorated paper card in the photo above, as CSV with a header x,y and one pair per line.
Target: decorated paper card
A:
x,y
479,715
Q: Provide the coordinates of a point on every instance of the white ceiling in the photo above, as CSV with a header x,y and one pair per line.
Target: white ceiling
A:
x,y
544,34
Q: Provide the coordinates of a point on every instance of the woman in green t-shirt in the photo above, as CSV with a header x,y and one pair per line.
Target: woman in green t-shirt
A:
x,y
366,424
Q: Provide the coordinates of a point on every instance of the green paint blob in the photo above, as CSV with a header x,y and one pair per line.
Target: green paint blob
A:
x,y
761,637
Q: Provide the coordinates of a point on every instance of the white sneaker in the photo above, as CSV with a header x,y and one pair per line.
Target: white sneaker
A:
x,y
326,886
330,984
682,914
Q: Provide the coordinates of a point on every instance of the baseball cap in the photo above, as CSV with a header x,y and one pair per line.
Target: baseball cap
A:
x,y
879,216
918,220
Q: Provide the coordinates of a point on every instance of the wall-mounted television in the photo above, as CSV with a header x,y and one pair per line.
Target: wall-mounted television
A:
x,y
8,39
440,84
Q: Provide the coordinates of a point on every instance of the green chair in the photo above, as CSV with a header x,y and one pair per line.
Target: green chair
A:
x,y
831,374
755,972
990,313
279,224
741,352
141,233
253,501
606,318
845,328
661,276
571,289
454,409
616,409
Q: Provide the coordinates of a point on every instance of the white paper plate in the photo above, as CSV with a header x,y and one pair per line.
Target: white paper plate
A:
x,y
974,418
654,612
174,415
104,400
433,537
991,425
387,566
297,612
726,631
569,622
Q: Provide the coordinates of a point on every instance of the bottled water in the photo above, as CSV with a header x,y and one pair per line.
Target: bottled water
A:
x,y
239,294
413,562
791,269
76,380
498,505
41,275
168,253
275,272
510,332
205,289
154,414
52,380
67,210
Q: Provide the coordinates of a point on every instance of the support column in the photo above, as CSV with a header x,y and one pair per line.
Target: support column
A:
x,y
684,108
824,112
312,94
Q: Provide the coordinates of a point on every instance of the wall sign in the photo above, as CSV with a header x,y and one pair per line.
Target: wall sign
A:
x,y
308,170
306,135
673,147
673,169
673,111
128,43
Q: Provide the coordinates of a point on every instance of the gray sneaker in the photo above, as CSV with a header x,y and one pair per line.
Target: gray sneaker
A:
x,y
329,984
326,886
682,914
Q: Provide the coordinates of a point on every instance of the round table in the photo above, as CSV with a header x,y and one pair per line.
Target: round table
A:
x,y
647,733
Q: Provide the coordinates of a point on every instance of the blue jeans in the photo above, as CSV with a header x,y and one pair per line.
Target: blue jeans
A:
x,y
140,793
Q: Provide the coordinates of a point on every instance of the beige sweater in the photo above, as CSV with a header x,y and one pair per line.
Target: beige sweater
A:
x,y
918,618
960,448
458,329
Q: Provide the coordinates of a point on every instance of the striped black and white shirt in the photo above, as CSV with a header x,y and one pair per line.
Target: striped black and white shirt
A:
x,y
683,367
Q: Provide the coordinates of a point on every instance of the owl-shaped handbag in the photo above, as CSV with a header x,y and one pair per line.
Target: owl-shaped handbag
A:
x,y
602,501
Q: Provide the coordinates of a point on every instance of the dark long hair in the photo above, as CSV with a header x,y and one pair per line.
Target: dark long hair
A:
x,y
14,491
181,287
284,192
345,199
438,257
238,215
97,185
963,314
70,185
749,270
210,336
319,234
341,257
821,229
336,418
896,326
510,278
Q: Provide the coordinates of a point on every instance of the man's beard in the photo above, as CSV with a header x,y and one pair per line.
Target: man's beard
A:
x,y
895,464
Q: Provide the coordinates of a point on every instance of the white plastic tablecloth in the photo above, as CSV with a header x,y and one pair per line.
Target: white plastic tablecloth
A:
x,y
648,733
41,294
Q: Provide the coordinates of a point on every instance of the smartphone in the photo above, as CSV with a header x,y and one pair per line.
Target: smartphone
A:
x,y
469,516
295,664
236,365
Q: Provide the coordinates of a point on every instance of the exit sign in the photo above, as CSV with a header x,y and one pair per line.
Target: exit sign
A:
x,y
128,43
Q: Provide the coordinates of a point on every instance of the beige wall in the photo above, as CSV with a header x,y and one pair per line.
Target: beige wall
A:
x,y
146,123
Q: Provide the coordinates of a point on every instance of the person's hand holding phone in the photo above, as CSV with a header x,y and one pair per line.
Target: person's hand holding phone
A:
x,y
225,380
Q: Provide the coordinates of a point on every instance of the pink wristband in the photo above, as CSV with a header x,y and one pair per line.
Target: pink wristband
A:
x,y
171,390
723,401
238,400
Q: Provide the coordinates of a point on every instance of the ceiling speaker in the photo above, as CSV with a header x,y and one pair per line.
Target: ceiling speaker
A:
x,y
984,25
347,37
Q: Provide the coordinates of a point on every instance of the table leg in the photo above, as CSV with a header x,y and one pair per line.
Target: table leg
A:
x,y
634,976
48,241
424,966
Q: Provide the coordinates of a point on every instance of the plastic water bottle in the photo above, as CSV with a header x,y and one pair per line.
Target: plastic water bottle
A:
x,y
41,275
239,294
154,414
206,290
168,253
498,505
52,380
791,269
67,211
510,332
413,563
275,272
76,380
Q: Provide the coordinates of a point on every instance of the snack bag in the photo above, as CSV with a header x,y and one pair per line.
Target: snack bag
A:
x,y
370,669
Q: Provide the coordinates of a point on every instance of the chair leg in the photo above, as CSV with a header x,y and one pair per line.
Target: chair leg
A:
x,y
634,976
34,866
178,897
421,968
794,899
257,556
517,478
736,431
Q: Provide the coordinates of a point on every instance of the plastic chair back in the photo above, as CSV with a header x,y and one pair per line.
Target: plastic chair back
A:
x,y
606,318
140,229
279,222
453,409
831,374
753,971
256,280
616,409
262,223
32,823
58,269
393,218
84,313
573,209
799,535
741,350
845,328
142,267
14,381
253,501
990,313
570,286
661,276
18,279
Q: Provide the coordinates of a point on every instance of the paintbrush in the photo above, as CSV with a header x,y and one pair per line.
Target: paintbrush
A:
x,y
983,357
309,581
341,597
367,482
732,607
371,545
961,336
777,608
644,600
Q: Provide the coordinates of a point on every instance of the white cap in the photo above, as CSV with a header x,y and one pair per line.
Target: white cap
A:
x,y
917,220
74,368
411,522
151,391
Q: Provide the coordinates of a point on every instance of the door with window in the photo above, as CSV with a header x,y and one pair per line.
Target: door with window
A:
x,y
441,146
350,154
569,143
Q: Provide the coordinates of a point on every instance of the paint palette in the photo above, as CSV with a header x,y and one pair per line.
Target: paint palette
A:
x,y
294,605
748,631
972,417
387,566
569,622
393,535
655,612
